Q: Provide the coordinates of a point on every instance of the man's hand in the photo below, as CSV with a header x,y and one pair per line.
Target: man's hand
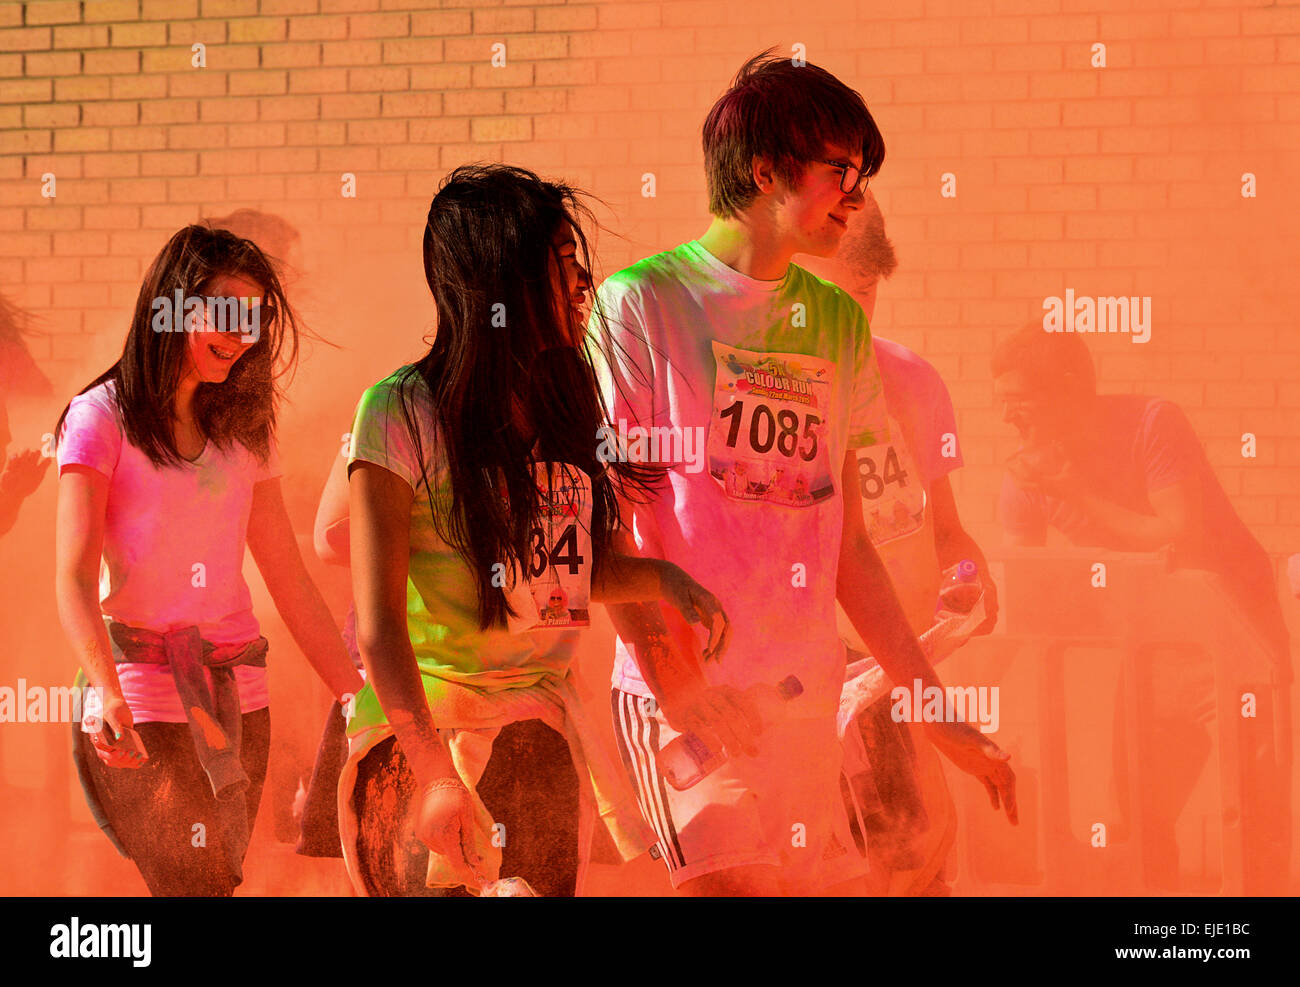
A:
x,y
721,716
698,606
975,754
1045,467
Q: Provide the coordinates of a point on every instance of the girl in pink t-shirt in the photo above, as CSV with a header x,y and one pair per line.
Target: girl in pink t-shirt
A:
x,y
167,471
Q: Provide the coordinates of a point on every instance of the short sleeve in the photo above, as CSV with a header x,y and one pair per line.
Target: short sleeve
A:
x,y
1170,449
868,414
1020,512
941,421
91,434
381,435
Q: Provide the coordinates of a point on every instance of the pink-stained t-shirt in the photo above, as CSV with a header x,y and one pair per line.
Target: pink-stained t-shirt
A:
x,y
918,400
895,477
174,541
773,381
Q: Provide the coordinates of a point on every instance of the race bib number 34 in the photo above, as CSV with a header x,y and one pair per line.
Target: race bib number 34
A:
x,y
555,591
893,494
768,435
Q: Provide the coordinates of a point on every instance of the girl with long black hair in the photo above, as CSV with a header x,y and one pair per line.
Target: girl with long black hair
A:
x,y
167,470
481,517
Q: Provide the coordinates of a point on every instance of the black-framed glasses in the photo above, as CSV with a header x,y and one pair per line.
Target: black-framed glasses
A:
x,y
852,179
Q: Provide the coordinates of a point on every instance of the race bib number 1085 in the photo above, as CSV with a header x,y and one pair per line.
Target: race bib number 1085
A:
x,y
770,427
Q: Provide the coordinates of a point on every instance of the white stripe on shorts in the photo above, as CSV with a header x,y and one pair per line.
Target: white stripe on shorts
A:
x,y
635,724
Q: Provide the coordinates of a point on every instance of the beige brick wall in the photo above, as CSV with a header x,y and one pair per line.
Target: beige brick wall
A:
x,y
1122,179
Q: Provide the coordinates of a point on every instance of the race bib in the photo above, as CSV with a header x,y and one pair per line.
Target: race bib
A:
x,y
893,496
555,589
770,427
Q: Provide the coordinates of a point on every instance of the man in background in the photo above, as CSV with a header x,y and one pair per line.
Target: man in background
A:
x,y
19,475
893,781
1126,472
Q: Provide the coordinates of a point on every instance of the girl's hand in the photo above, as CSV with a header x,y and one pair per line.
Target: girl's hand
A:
x,y
116,742
698,606
975,754
444,822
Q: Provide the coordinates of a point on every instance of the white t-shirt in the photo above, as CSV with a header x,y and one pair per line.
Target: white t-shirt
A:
x,y
174,541
896,475
778,379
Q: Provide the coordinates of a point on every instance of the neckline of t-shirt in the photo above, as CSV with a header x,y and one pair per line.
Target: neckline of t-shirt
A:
x,y
110,389
736,278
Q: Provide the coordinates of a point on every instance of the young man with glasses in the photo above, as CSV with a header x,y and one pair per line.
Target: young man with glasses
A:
x,y
723,335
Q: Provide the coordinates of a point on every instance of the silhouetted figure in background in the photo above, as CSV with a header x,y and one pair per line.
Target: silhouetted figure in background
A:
x,y
275,236
20,377
19,476
1126,472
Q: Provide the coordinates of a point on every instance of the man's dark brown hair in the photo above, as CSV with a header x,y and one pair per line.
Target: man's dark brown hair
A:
x,y
1055,361
787,114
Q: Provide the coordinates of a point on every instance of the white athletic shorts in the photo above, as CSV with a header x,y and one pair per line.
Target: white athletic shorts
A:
x,y
782,808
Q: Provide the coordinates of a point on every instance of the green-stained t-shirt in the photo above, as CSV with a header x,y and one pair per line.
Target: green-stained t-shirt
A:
x,y
441,599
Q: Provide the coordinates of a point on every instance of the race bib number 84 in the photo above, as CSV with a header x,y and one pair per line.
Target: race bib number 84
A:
x,y
893,494
770,426
555,591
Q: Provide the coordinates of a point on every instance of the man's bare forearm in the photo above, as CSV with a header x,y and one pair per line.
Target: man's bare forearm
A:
x,y
627,579
667,672
867,595
954,546
1128,531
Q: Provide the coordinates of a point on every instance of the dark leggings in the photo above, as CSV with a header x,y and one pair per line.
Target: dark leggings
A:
x,y
153,809
529,786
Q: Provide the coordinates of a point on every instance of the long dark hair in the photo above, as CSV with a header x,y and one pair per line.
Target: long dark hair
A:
x,y
500,344
147,376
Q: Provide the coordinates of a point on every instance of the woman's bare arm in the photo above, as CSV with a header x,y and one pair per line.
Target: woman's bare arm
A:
x,y
275,550
380,507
